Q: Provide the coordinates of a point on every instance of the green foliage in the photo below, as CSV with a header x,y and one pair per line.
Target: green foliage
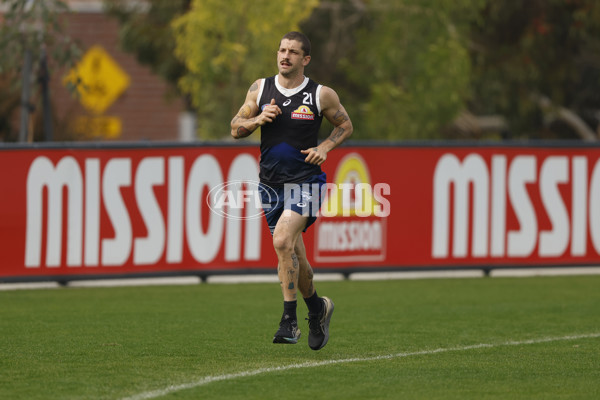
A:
x,y
225,46
145,30
404,69
33,26
412,56
523,50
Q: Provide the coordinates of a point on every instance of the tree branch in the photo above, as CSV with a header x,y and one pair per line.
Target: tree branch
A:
x,y
567,116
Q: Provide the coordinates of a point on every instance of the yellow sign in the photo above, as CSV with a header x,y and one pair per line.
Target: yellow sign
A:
x,y
98,126
99,80
352,172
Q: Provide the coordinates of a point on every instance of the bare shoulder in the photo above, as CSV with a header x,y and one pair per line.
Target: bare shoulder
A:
x,y
253,91
331,107
329,99
250,109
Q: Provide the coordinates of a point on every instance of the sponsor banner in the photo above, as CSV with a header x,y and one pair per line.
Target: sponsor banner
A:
x,y
126,211
354,224
107,211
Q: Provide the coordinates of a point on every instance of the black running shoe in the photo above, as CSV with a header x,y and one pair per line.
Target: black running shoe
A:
x,y
288,331
319,325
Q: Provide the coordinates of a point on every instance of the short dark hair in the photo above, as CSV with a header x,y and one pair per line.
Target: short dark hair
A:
x,y
300,37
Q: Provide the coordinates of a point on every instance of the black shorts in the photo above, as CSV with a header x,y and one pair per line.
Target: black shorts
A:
x,y
303,198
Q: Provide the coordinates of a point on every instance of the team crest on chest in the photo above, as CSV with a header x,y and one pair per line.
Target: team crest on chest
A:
x,y
304,113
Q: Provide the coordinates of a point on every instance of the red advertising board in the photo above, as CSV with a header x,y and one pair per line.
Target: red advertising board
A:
x,y
105,211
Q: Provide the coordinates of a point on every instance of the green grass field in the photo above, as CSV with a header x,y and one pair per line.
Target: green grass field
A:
x,y
404,339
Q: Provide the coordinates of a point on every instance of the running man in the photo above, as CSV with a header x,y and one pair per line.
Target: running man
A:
x,y
289,108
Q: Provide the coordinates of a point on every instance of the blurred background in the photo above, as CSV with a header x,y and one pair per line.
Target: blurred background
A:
x,y
178,70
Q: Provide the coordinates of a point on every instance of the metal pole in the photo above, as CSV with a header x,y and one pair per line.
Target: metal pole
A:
x,y
25,107
44,81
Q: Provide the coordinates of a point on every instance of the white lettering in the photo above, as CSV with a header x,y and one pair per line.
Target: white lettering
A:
x,y
175,211
498,233
522,171
203,246
570,219
331,202
109,189
244,168
347,204
117,174
363,199
382,208
350,236
43,174
554,242
92,212
579,176
449,170
150,172
595,207
226,198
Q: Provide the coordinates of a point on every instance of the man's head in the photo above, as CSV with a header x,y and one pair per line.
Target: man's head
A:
x,y
299,37
293,54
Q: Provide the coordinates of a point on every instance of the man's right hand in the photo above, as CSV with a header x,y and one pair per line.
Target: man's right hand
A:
x,y
250,117
269,113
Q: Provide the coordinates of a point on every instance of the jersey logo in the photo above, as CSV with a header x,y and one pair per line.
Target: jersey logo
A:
x,y
303,112
287,102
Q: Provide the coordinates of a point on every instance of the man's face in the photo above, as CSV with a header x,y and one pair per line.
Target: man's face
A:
x,y
291,58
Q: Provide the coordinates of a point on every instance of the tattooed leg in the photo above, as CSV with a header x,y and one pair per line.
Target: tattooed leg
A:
x,y
285,236
305,274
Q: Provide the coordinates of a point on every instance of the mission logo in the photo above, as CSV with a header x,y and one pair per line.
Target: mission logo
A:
x,y
303,112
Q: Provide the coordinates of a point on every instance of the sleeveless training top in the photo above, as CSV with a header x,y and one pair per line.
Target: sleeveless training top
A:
x,y
295,129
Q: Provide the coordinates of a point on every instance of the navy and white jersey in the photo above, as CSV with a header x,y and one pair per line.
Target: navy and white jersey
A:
x,y
295,129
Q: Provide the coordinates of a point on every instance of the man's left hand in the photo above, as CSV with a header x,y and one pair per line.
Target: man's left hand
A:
x,y
314,156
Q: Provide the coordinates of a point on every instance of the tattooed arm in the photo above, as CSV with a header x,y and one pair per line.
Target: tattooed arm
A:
x,y
249,117
335,113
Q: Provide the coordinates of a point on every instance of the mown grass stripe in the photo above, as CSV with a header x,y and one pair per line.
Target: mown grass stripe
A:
x,y
243,374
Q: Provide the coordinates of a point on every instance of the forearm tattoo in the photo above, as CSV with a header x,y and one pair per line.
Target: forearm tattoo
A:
x,y
242,131
245,111
339,118
243,114
336,134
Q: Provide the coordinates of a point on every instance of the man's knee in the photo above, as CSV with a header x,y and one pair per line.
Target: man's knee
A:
x,y
283,244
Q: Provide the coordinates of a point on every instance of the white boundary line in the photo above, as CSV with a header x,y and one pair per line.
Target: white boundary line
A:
x,y
312,364
157,281
380,276
320,277
529,272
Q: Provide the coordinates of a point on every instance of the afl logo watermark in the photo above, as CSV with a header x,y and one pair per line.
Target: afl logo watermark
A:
x,y
241,199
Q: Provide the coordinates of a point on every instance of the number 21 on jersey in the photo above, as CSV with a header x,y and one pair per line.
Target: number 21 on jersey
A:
x,y
307,98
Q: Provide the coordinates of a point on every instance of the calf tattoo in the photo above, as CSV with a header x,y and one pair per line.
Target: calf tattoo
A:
x,y
292,272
